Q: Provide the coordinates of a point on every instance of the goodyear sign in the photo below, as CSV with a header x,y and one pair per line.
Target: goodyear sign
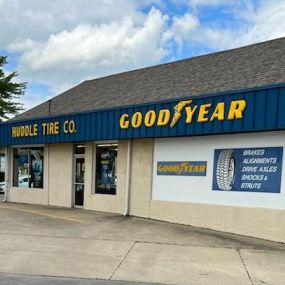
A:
x,y
234,112
182,168
202,113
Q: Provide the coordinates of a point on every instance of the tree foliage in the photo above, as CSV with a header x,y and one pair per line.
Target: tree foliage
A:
x,y
10,92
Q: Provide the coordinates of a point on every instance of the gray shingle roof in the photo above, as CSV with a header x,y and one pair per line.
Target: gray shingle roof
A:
x,y
247,67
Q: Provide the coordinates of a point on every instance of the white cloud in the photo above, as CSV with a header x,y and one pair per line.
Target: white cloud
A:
x,y
61,43
183,27
256,24
187,32
104,45
200,3
89,51
208,2
38,19
21,46
265,22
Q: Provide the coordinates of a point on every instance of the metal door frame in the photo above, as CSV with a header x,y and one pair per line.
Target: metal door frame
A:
x,y
75,156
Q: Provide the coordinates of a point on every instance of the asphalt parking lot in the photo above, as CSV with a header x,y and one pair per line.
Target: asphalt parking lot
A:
x,y
43,242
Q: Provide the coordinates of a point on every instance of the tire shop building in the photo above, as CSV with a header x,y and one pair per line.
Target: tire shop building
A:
x,y
198,142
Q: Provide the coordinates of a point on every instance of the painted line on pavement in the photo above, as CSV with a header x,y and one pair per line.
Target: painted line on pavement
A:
x,y
43,214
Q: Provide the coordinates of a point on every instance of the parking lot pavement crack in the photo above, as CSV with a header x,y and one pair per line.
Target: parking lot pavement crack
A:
x,y
245,268
123,259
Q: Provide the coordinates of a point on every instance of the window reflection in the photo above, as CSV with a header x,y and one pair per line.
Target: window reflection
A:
x,y
106,168
28,167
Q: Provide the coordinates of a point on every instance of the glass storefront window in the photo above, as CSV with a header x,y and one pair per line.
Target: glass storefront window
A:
x,y
28,167
2,167
106,169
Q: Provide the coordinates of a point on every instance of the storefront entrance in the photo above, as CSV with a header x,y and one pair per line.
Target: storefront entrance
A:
x,y
2,176
78,184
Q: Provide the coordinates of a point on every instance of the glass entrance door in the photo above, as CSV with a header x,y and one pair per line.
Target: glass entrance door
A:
x,y
79,169
2,176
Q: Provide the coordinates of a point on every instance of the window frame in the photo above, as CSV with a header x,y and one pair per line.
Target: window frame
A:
x,y
3,167
94,165
29,147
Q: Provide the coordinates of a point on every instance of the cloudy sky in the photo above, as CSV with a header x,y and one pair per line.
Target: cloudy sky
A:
x,y
56,44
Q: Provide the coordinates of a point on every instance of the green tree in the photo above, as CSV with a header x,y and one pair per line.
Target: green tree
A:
x,y
9,92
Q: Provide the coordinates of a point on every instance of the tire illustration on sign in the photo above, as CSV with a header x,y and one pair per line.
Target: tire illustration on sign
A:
x,y
225,172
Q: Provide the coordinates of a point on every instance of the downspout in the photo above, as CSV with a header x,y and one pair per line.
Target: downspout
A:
x,y
127,193
48,174
6,187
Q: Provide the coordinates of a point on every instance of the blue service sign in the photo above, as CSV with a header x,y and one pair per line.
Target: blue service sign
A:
x,y
248,169
23,159
182,168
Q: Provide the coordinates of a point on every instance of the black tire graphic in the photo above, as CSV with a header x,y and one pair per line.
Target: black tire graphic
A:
x,y
225,173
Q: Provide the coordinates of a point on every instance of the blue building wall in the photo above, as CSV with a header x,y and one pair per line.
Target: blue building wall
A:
x,y
264,112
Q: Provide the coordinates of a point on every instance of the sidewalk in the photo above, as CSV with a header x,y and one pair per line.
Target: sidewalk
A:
x,y
76,243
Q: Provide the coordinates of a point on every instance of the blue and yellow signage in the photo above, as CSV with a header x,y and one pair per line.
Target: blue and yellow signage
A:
x,y
234,112
45,128
182,168
208,112
248,169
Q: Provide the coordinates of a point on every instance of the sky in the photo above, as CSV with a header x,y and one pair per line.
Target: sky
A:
x,y
56,44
